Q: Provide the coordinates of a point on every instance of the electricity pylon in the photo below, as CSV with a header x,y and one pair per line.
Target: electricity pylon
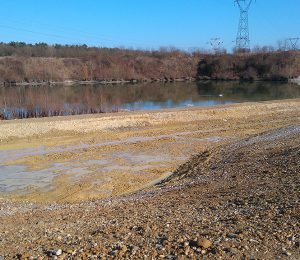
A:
x,y
294,42
243,38
216,44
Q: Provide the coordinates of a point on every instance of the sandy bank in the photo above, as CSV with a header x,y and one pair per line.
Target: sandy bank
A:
x,y
109,122
70,159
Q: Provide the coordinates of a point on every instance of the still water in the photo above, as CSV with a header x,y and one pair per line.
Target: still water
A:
x,y
43,101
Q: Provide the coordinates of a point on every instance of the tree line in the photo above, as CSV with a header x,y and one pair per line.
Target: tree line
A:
x,y
279,65
21,62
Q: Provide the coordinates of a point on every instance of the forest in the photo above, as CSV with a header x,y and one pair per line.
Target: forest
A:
x,y
277,66
43,63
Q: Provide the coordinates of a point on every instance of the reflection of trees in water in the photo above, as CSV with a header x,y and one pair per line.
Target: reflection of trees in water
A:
x,y
24,102
242,91
31,101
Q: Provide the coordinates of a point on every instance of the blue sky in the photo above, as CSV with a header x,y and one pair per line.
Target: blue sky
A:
x,y
145,23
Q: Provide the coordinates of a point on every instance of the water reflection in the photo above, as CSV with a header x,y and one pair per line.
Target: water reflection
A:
x,y
44,101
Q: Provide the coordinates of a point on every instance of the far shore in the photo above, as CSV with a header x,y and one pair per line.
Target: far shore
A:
x,y
100,82
136,81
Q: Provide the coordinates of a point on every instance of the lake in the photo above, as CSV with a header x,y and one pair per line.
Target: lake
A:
x,y
44,101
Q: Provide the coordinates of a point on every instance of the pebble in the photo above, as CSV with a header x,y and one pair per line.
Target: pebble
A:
x,y
234,251
58,252
124,248
204,243
287,253
231,236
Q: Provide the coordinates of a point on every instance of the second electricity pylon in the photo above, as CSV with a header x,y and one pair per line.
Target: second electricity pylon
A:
x,y
215,44
294,42
243,38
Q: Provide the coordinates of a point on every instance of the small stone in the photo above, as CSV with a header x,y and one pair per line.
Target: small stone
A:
x,y
186,252
234,251
204,243
124,248
287,253
231,236
180,240
25,256
58,252
186,244
193,243
214,250
291,238
134,249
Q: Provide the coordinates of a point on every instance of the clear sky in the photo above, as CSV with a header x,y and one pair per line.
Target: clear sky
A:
x,y
145,23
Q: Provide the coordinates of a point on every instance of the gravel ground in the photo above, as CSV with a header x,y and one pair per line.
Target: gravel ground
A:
x,y
236,201
70,159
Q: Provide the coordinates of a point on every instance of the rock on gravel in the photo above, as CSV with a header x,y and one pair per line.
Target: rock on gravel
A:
x,y
204,243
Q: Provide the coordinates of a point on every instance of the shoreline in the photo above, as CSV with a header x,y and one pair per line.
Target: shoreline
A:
x,y
140,81
99,82
67,123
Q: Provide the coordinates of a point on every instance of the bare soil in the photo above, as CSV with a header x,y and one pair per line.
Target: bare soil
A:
x,y
234,199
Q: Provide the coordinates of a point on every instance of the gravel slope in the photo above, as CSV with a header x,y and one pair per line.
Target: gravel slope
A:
x,y
236,201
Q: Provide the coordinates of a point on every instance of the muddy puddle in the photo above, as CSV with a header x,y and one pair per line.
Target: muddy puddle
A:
x,y
134,161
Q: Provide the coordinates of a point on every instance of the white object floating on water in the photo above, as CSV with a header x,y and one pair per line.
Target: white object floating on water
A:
x,y
189,105
221,95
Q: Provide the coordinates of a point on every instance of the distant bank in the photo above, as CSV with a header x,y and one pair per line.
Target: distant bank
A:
x,y
22,64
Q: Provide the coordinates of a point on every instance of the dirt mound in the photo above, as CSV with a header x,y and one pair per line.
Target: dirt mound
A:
x,y
271,151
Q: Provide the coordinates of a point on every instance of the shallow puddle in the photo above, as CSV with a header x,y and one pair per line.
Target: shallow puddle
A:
x,y
135,163
17,178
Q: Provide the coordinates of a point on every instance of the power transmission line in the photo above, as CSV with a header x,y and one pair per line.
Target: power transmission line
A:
x,y
83,40
64,31
38,33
